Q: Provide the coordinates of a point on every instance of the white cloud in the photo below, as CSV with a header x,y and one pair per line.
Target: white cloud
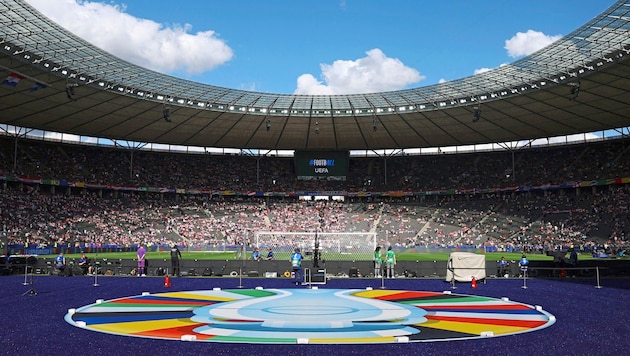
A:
x,y
249,86
307,84
482,70
140,41
523,44
374,73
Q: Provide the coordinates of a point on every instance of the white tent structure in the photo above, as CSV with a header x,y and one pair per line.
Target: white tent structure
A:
x,y
463,266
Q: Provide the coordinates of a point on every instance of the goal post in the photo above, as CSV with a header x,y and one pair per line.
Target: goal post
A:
x,y
332,246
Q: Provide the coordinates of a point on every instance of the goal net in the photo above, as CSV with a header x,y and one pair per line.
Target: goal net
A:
x,y
332,246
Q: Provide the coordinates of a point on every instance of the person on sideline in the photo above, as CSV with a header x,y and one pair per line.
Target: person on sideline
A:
x,y
84,264
390,262
256,254
142,252
176,255
378,262
296,263
270,255
60,264
503,267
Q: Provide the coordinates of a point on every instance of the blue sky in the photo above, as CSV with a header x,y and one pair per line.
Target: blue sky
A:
x,y
321,46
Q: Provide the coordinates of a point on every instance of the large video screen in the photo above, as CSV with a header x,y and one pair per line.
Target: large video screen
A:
x,y
329,165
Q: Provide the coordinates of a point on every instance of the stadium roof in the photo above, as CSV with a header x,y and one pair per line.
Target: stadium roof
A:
x,y
578,84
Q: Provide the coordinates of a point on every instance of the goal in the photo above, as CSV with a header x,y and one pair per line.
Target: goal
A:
x,y
332,246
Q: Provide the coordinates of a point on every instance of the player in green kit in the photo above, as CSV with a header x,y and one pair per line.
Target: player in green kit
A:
x,y
390,262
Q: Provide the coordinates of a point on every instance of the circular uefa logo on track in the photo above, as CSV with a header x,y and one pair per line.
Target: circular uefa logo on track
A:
x,y
310,316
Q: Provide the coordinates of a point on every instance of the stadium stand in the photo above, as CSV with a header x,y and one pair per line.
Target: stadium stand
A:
x,y
470,209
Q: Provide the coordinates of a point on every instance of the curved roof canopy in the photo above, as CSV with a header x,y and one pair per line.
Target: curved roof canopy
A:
x,y
577,84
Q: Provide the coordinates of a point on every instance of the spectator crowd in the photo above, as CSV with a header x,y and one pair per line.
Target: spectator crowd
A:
x,y
588,217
